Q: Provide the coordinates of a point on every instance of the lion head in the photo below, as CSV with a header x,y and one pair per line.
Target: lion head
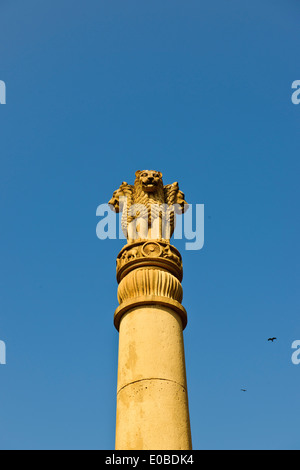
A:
x,y
149,181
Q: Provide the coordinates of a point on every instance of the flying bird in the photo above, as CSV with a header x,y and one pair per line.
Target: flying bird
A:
x,y
272,339
243,390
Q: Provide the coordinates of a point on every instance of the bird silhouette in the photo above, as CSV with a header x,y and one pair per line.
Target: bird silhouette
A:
x,y
272,339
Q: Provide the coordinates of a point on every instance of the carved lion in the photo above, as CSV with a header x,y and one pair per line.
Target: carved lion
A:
x,y
148,206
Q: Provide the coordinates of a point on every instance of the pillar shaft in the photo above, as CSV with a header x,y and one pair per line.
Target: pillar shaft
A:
x,y
152,403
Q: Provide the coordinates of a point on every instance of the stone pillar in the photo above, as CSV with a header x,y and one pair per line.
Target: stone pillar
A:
x,y
152,401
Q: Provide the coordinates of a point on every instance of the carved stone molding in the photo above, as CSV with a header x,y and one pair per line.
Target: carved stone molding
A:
x,y
149,272
151,253
149,281
146,300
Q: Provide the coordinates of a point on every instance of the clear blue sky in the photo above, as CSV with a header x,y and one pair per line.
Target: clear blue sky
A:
x,y
200,90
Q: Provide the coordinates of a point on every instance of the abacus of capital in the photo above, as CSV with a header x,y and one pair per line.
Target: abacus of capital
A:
x,y
152,399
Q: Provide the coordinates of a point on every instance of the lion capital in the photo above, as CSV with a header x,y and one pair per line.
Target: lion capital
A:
x,y
148,207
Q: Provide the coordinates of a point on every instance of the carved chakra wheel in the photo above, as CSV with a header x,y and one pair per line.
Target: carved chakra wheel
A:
x,y
152,249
